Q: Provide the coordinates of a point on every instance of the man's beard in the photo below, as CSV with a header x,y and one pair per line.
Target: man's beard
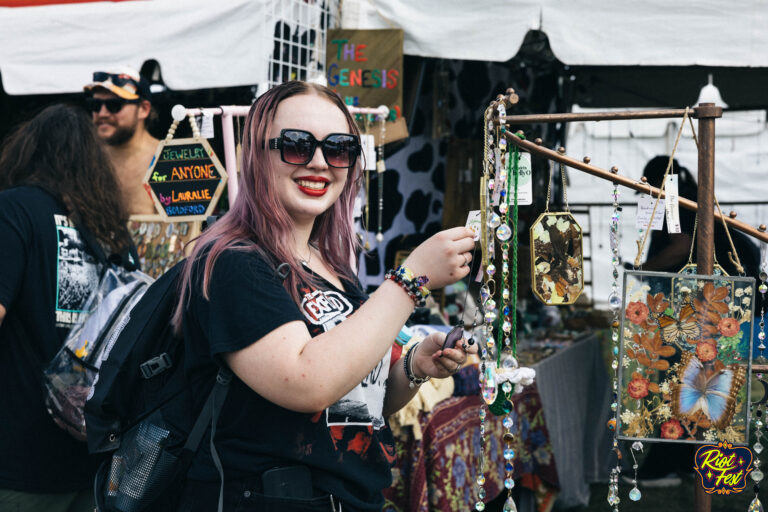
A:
x,y
121,135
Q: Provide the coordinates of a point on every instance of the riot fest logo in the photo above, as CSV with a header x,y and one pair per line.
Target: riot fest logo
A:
x,y
723,468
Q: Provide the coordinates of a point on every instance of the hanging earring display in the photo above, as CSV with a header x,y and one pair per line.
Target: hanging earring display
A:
x,y
758,409
500,376
614,301
557,267
380,169
763,289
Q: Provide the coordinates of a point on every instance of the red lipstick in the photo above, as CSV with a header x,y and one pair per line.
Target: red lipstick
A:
x,y
314,192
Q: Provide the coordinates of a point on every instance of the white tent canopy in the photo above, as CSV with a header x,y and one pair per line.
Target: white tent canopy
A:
x,y
198,43
581,32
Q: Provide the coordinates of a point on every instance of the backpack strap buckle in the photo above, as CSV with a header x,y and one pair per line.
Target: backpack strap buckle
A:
x,y
156,365
283,270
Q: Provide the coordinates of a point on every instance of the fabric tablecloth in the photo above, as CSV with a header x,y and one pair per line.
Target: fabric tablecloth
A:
x,y
438,472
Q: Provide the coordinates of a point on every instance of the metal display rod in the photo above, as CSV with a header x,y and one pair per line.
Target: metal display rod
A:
x,y
640,186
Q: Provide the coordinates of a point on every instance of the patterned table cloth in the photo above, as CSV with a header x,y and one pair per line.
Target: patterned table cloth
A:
x,y
439,471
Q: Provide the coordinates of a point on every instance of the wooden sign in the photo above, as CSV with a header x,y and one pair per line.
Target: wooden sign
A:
x,y
185,179
366,68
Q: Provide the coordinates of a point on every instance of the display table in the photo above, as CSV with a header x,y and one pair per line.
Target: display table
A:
x,y
576,395
561,440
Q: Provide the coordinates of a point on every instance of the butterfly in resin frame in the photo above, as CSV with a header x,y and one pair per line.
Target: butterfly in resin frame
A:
x,y
685,327
708,390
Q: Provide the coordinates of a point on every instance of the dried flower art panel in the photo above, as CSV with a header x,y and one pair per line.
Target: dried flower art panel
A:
x,y
686,339
556,259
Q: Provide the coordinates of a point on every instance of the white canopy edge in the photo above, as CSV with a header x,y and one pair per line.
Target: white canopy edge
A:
x,y
581,32
198,43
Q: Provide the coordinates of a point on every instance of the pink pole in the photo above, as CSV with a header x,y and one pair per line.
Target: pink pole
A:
x,y
230,155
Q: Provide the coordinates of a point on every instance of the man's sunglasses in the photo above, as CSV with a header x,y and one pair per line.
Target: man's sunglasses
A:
x,y
114,105
298,147
118,80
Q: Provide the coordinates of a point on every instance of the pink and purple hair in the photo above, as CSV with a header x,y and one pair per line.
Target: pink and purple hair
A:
x,y
257,221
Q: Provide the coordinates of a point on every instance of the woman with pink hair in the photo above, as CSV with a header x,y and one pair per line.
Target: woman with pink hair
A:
x,y
270,292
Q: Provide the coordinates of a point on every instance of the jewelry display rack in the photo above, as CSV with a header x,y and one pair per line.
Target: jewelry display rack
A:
x,y
705,113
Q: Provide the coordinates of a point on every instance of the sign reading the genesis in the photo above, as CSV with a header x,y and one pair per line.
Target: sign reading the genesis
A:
x,y
185,179
366,68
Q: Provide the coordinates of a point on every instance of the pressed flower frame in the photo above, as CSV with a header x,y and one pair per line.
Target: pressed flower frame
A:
x,y
684,357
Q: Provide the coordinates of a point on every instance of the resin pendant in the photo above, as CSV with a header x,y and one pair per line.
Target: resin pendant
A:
x,y
557,265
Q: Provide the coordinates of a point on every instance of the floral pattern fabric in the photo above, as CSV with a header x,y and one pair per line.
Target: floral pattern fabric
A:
x,y
439,472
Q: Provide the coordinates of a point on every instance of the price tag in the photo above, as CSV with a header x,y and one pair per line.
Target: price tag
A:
x,y
473,223
644,209
206,125
524,181
369,151
672,204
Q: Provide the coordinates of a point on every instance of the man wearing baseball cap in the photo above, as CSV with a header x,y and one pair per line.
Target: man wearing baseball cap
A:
x,y
120,102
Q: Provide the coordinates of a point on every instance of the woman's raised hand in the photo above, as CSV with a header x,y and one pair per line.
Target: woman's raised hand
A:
x,y
444,257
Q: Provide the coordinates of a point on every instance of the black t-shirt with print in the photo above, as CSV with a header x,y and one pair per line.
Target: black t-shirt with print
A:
x,y
46,273
348,447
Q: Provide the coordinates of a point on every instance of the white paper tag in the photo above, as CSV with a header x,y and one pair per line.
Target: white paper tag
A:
x,y
644,209
672,204
206,125
524,181
369,151
473,223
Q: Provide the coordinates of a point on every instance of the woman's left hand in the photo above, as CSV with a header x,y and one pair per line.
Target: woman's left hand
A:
x,y
431,360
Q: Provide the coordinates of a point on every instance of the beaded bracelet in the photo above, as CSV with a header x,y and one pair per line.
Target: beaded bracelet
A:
x,y
408,366
413,285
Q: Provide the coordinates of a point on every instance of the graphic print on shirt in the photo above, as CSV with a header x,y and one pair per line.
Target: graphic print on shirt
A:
x,y
77,273
363,406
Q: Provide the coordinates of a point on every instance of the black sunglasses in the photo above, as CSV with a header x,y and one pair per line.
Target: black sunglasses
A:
x,y
298,147
118,80
114,105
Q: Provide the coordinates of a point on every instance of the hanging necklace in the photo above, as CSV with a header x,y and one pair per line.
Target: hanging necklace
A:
x,y
557,267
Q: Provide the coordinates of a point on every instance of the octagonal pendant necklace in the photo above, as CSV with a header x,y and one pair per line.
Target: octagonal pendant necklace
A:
x,y
557,266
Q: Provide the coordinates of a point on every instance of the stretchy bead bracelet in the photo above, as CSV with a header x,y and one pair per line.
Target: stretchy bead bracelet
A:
x,y
408,366
413,285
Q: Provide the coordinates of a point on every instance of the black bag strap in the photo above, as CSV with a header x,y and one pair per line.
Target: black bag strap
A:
x,y
211,409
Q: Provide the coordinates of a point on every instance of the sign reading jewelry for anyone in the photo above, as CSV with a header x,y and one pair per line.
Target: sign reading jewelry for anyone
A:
x,y
185,179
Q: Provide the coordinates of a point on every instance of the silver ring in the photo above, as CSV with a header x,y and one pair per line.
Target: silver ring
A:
x,y
458,367
466,261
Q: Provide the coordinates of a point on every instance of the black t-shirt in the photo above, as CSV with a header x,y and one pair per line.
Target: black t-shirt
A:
x,y
46,273
348,447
